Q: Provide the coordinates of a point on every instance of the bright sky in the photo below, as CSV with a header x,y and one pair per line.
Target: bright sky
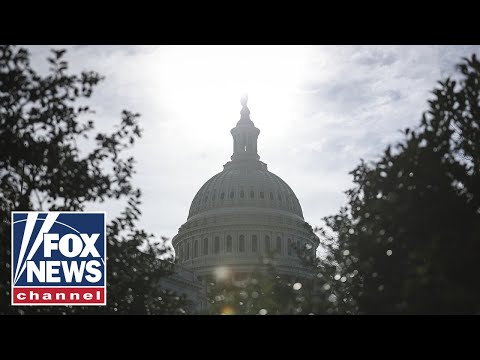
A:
x,y
319,109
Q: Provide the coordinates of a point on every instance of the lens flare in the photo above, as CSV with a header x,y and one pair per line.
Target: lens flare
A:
x,y
227,310
222,273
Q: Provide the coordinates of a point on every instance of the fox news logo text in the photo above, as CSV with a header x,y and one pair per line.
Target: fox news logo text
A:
x,y
58,258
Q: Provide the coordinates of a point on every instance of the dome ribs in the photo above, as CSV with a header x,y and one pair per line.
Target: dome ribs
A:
x,y
247,179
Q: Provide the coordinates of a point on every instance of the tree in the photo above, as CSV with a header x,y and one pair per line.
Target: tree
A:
x,y
42,167
409,238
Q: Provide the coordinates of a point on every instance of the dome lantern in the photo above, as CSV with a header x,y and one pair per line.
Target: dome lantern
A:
x,y
245,135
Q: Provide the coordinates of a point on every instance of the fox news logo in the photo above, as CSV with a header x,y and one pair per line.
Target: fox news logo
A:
x,y
58,258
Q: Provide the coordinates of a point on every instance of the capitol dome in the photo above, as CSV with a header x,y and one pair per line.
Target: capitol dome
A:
x,y
244,215
238,186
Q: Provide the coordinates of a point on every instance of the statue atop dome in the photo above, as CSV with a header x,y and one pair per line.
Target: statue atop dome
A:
x,y
245,112
244,100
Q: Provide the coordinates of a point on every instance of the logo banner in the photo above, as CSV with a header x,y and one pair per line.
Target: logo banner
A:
x,y
58,258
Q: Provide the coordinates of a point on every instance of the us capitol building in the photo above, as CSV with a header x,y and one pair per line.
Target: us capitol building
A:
x,y
240,217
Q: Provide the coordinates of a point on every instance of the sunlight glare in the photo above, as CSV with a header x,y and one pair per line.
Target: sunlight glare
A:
x,y
222,273
204,84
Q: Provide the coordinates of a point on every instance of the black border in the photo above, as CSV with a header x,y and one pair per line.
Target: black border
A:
x,y
338,23
253,336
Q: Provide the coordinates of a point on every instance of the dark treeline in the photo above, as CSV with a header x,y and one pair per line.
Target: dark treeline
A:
x,y
41,169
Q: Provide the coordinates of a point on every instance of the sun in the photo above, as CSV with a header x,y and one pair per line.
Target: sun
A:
x,y
231,70
207,82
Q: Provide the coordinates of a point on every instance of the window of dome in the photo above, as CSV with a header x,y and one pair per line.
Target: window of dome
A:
x,y
262,195
213,197
229,243
267,243
242,194
241,243
222,195
195,249
205,246
279,197
271,196
254,243
187,251
252,194
216,245
232,194
289,247
279,244
206,198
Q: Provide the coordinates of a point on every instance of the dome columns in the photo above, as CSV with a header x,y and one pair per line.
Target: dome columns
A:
x,y
245,142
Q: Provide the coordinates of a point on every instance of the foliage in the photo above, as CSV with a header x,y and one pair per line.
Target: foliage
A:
x,y
269,291
43,166
263,292
409,238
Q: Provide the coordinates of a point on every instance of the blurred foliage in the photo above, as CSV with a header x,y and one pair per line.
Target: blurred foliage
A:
x,y
263,292
408,241
43,122
269,291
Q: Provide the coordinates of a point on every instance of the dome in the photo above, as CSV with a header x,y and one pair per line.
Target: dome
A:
x,y
243,216
245,186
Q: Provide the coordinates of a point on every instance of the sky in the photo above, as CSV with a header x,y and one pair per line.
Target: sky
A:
x,y
320,109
